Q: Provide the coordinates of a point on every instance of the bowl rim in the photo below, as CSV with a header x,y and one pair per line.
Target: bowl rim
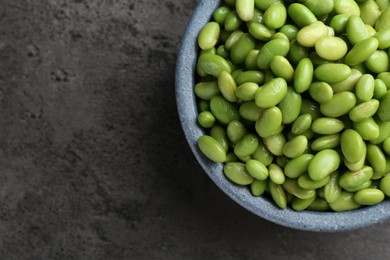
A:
x,y
260,206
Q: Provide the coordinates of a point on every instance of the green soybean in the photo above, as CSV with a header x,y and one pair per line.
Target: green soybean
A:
x,y
325,142
349,7
232,21
331,48
385,185
278,194
250,76
319,204
290,31
369,12
271,93
247,91
281,67
385,77
361,51
269,122
227,86
271,49
213,64
378,62
300,14
347,84
241,48
262,154
376,158
209,35
232,39
356,29
332,190
340,104
364,110
219,133
368,129
260,31
384,132
223,110
295,147
352,145
237,173
310,34
275,143
297,52
332,72
321,92
327,125
311,108
339,22
301,204
352,179
383,21
290,106
211,148
365,87
246,146
276,173
245,9
319,7
292,187
297,166
206,90
323,164
301,124
303,75
249,111
369,197
386,145
275,16
251,60
206,119
235,131
344,202
383,37
220,14
307,183
257,169
258,187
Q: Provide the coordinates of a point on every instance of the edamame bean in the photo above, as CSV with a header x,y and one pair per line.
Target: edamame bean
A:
x,y
352,145
369,12
297,52
206,90
301,15
369,197
247,91
331,48
321,92
385,185
380,89
258,170
206,119
249,111
376,158
223,110
251,60
219,133
232,21
319,204
271,49
209,35
332,190
323,164
386,145
275,143
262,154
352,179
213,64
258,187
275,16
297,166
246,146
384,107
364,110
310,34
305,182
385,77
232,39
356,29
378,62
276,174
227,86
301,204
384,132
235,131
361,51
278,194
383,37
303,75
332,72
271,93
290,31
301,124
349,83
241,48
292,187
327,125
281,67
349,7
311,108
254,76
295,147
344,202
260,31
290,106
237,173
340,104
326,142
264,4
220,14
384,20
211,148
319,7
245,9
269,122
368,129
365,87
339,22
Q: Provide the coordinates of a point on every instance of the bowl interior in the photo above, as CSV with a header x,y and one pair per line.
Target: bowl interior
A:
x,y
261,206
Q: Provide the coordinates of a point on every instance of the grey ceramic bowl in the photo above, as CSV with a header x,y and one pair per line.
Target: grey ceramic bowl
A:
x,y
186,103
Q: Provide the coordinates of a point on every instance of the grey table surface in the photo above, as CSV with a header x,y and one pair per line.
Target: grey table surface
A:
x,y
93,161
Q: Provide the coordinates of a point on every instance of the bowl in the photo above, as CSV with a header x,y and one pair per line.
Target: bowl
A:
x,y
260,206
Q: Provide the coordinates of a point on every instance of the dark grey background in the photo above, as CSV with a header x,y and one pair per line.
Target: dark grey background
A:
x,y
93,162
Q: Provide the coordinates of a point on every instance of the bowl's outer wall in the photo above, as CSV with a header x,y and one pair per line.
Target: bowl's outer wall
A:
x,y
186,104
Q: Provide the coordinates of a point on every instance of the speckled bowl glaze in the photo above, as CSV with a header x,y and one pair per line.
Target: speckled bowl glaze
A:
x,y
186,103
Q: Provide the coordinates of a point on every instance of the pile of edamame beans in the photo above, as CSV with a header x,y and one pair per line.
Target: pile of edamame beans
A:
x,y
294,99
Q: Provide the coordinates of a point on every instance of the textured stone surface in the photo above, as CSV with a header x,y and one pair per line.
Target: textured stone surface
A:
x,y
93,162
